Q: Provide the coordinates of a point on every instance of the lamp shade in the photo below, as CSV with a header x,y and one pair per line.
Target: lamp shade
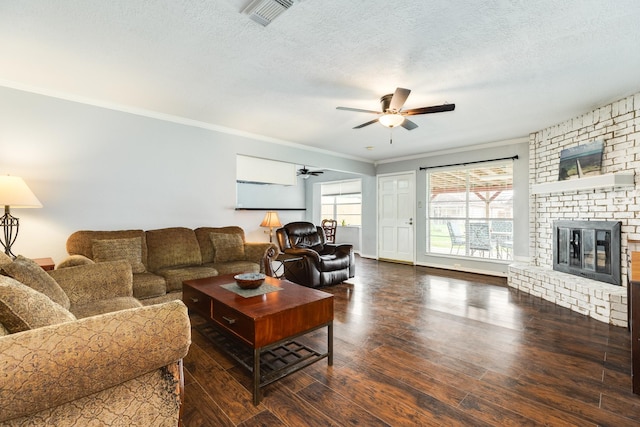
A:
x,y
271,220
391,120
15,193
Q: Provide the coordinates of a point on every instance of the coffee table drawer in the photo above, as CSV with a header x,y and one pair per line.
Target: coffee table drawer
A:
x,y
196,301
234,321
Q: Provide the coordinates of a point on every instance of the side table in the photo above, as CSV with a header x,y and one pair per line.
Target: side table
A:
x,y
47,264
291,267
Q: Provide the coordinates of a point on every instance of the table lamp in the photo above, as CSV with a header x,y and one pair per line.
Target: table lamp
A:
x,y
14,193
271,220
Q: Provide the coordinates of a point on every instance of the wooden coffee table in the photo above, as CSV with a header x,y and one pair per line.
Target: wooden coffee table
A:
x,y
259,331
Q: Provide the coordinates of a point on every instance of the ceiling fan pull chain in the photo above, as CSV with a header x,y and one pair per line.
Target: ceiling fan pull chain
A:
x,y
390,135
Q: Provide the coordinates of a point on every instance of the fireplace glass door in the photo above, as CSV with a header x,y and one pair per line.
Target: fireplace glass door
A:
x,y
584,249
588,248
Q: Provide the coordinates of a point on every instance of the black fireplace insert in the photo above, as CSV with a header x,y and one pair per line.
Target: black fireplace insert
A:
x,y
588,249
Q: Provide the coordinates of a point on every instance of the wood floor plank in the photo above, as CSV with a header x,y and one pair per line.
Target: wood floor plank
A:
x,y
590,413
629,406
393,401
294,410
263,419
420,346
235,400
494,414
343,410
399,369
201,410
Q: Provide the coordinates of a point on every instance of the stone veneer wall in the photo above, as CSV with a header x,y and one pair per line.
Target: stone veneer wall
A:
x,y
618,125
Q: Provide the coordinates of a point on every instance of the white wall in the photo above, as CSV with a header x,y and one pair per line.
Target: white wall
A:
x,y
98,168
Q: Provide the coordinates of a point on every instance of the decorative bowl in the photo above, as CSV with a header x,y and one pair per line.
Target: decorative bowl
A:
x,y
249,280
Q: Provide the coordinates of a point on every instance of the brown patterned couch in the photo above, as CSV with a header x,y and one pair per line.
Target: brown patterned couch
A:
x,y
77,349
162,259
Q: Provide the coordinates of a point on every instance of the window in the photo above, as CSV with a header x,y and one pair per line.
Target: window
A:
x,y
342,201
470,211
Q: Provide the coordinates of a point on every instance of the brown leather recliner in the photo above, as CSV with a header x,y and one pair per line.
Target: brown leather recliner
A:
x,y
321,263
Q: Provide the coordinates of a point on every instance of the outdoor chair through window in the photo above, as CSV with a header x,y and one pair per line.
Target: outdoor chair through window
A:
x,y
502,236
479,238
457,237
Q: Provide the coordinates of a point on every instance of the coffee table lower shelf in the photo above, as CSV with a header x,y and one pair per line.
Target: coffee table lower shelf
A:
x,y
276,360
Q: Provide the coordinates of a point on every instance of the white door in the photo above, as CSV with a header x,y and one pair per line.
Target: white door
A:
x,y
396,214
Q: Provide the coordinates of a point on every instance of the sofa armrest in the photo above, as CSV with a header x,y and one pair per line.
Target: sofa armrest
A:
x,y
95,282
46,367
259,252
74,260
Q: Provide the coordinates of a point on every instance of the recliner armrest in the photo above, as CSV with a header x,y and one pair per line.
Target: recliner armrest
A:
x,y
332,248
304,252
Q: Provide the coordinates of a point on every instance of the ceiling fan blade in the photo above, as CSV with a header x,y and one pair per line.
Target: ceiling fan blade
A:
x,y
399,98
358,110
427,110
408,124
366,124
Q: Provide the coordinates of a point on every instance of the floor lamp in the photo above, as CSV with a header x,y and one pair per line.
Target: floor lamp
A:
x,y
14,193
271,220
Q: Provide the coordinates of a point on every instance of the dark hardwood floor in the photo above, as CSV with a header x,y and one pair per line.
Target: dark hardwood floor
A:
x,y
419,347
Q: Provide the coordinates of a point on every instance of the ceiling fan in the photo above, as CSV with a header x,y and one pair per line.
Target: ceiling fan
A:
x,y
306,173
393,115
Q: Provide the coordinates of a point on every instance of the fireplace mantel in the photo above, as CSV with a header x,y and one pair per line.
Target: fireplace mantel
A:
x,y
609,180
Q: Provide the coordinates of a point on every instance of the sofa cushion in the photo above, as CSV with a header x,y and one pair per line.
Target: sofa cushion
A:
x,y
175,276
81,242
171,247
148,285
110,305
227,247
29,273
129,249
236,267
203,234
23,308
5,259
94,282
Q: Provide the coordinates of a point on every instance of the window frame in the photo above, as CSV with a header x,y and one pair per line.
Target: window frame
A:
x,y
348,185
499,246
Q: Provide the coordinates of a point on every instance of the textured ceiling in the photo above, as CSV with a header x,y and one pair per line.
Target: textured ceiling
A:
x,y
511,67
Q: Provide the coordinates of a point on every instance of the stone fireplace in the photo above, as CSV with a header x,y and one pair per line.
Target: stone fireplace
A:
x,y
611,197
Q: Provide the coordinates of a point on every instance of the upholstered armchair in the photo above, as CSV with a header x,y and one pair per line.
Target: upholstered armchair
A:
x,y
320,263
77,349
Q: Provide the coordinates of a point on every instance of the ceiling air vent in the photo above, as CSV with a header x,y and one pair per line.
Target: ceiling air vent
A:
x,y
265,11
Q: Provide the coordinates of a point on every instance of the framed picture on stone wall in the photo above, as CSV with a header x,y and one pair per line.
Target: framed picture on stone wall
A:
x,y
580,161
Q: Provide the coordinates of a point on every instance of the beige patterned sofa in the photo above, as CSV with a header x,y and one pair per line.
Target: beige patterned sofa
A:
x,y
77,349
162,259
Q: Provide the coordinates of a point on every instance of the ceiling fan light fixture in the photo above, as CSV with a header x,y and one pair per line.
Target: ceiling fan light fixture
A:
x,y
391,120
